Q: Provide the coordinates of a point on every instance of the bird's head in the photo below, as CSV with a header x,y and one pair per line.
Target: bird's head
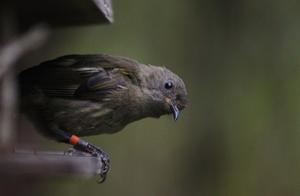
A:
x,y
166,89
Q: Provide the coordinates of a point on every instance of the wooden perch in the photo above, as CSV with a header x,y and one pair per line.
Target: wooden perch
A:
x,y
48,163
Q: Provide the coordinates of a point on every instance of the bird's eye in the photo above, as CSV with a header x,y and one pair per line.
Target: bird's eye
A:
x,y
168,85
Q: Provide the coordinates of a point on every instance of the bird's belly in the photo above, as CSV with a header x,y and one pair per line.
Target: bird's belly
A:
x,y
82,117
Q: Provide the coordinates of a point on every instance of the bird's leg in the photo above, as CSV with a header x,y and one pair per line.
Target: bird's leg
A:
x,y
83,146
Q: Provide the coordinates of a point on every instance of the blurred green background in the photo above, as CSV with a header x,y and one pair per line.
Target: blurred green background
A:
x,y
240,133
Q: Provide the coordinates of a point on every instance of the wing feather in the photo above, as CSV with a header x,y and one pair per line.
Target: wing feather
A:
x,y
81,76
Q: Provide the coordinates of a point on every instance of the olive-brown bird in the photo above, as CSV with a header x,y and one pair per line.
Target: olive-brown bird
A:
x,y
82,95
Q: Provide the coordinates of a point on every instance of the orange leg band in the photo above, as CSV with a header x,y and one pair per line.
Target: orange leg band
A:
x,y
74,139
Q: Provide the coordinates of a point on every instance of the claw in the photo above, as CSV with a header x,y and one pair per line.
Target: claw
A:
x,y
95,151
99,153
102,179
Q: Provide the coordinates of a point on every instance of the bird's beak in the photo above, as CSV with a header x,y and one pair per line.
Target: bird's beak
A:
x,y
174,109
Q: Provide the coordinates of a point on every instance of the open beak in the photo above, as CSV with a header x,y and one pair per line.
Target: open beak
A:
x,y
174,109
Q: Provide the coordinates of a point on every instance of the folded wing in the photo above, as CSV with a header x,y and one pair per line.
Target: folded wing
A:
x,y
81,76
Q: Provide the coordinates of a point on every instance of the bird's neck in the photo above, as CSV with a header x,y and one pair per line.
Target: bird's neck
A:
x,y
146,105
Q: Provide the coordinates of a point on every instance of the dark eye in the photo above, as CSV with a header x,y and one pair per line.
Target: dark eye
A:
x,y
168,85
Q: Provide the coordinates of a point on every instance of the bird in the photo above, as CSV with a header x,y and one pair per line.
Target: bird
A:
x,y
89,94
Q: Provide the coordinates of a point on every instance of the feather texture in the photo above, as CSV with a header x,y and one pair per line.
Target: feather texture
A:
x,y
93,94
81,76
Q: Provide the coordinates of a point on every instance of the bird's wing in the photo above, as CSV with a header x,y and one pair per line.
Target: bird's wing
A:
x,y
81,76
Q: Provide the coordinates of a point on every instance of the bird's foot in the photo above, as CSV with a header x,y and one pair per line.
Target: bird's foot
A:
x,y
97,152
74,152
103,157
80,147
